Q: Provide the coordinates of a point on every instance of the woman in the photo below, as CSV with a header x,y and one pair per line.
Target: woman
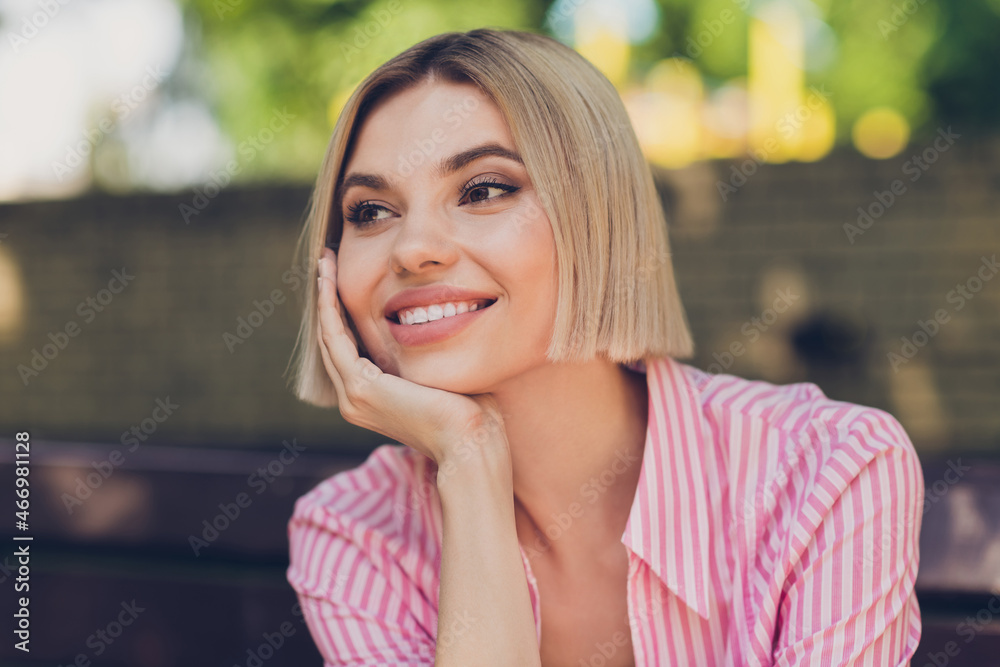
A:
x,y
502,303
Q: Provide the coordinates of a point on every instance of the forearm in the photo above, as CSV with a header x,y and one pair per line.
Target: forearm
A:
x,y
484,614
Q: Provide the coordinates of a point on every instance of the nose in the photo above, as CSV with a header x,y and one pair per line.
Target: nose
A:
x,y
424,241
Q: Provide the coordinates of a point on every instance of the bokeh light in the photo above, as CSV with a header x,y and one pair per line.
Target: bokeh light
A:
x,y
606,49
756,64
666,113
881,133
776,81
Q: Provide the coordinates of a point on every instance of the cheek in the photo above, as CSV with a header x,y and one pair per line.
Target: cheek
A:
x,y
523,259
544,273
537,249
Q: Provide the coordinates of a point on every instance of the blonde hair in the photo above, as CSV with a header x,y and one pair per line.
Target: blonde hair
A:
x,y
616,290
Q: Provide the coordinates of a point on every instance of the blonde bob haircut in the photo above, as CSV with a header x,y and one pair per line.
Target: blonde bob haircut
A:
x,y
616,290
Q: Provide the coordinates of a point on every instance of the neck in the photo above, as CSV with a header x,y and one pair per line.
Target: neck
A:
x,y
576,433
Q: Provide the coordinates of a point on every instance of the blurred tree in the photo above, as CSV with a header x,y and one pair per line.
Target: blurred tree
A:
x,y
306,56
933,61
962,68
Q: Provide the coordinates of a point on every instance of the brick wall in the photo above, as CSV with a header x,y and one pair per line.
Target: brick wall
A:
x,y
748,241
860,288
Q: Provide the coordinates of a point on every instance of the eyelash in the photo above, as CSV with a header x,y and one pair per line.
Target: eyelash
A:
x,y
354,210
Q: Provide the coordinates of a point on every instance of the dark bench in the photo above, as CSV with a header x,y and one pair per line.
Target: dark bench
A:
x,y
137,575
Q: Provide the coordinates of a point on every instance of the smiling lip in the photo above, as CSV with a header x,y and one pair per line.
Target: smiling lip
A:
x,y
428,295
410,335
432,332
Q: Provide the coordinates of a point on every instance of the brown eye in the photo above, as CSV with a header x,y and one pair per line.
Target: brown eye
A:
x,y
365,213
479,191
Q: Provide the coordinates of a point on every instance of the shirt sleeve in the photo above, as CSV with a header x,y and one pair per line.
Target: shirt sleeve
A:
x,y
850,599
353,600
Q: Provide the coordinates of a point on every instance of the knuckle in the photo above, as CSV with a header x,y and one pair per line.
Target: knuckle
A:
x,y
353,387
369,371
349,412
358,391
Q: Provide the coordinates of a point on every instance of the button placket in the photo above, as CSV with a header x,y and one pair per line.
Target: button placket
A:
x,y
536,602
633,615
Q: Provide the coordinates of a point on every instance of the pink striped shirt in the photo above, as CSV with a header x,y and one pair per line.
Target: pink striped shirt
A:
x,y
771,525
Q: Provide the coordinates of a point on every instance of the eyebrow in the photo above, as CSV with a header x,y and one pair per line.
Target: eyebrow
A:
x,y
444,168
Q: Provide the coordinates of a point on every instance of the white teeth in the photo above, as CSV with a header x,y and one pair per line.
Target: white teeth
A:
x,y
437,311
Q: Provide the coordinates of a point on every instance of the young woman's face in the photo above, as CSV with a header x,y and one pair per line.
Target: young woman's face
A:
x,y
435,197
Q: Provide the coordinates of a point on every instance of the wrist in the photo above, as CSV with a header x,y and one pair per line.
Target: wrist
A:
x,y
477,461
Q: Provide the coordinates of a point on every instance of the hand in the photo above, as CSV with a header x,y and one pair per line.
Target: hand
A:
x,y
440,424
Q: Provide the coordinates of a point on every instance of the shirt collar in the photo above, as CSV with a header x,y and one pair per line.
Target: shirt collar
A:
x,y
669,523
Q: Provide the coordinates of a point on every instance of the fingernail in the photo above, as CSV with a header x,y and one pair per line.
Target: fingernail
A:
x,y
319,285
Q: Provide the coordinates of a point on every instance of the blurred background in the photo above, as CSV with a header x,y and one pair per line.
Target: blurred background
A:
x,y
831,175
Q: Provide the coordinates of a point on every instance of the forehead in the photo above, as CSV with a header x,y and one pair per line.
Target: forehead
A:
x,y
418,126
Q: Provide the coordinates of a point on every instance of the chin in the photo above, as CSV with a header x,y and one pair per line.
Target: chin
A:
x,y
458,382
448,375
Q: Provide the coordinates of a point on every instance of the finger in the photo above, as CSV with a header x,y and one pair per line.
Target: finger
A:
x,y
343,350
344,400
331,370
329,256
381,402
328,364
331,318
388,397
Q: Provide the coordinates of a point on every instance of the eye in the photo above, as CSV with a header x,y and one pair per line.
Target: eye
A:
x,y
362,214
480,189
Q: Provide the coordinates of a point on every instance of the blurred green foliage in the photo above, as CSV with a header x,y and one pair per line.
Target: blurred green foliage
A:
x,y
935,61
304,55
